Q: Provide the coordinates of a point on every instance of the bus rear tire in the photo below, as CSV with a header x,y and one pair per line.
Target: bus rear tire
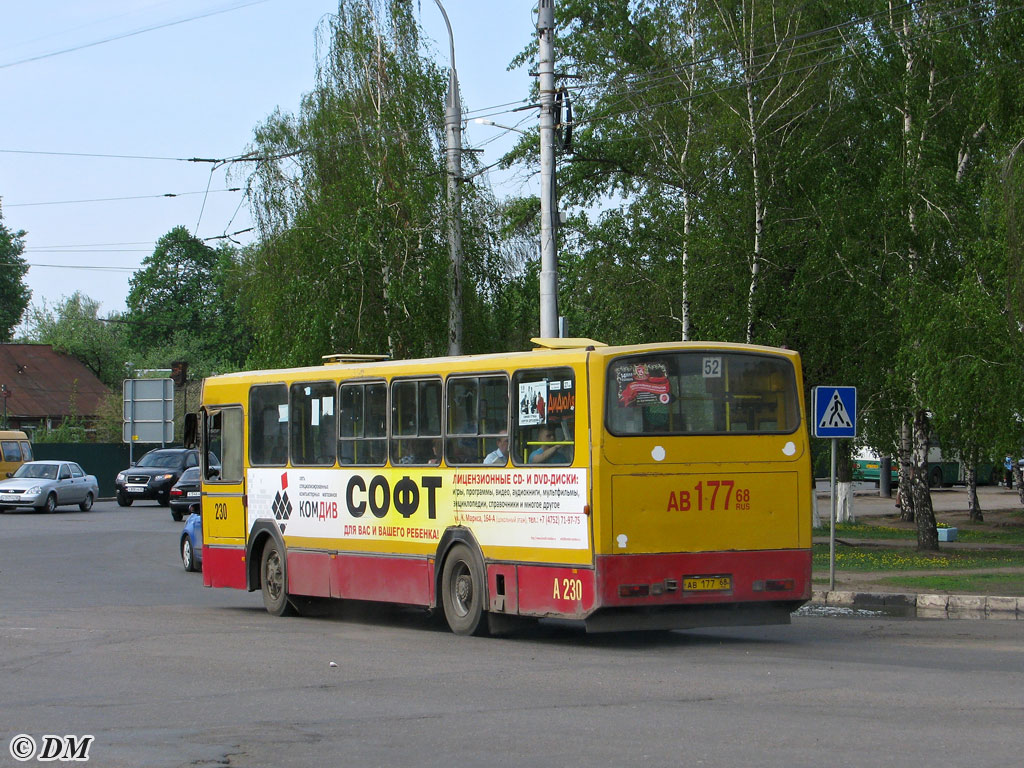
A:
x,y
463,591
274,580
935,478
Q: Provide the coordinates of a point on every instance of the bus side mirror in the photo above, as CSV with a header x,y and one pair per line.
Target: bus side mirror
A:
x,y
191,430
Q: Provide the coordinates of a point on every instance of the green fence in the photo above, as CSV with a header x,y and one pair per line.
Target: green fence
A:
x,y
104,460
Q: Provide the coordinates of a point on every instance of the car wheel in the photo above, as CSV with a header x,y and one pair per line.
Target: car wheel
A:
x,y
175,515
274,580
463,591
86,504
188,557
122,500
163,500
51,504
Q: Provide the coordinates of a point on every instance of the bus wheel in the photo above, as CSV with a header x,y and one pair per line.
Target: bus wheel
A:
x,y
935,478
274,580
463,591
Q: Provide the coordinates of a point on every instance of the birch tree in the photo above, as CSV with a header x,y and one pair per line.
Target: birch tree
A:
x,y
349,198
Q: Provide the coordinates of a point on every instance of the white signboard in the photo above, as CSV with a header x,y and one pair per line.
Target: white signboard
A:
x,y
515,507
148,411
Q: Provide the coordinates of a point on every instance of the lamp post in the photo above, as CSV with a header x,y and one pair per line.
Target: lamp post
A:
x,y
548,209
453,131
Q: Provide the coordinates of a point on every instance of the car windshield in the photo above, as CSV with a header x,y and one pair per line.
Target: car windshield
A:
x,y
37,471
160,459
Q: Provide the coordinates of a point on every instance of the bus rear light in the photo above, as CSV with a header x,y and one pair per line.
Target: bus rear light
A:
x,y
634,590
774,585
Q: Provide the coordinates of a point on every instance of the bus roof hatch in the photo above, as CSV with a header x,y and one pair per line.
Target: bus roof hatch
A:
x,y
556,343
346,358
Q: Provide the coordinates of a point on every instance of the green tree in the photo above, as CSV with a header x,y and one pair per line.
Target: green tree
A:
x,y
350,201
14,294
185,303
73,326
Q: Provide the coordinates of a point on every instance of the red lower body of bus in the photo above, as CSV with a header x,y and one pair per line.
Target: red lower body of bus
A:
x,y
645,591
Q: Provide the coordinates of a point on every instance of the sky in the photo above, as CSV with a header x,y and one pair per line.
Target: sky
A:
x,y
105,101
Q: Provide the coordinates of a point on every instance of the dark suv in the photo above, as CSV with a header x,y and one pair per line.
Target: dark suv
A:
x,y
155,475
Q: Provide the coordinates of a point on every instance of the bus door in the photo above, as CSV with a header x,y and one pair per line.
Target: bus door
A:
x,y
223,477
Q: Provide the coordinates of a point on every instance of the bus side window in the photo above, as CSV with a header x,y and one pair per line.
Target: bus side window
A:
x,y
313,431
415,421
476,416
544,422
268,426
362,423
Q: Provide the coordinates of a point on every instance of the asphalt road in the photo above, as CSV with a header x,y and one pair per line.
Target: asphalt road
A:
x,y
103,633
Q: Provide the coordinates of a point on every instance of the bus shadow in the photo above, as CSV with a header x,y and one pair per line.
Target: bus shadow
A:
x,y
523,629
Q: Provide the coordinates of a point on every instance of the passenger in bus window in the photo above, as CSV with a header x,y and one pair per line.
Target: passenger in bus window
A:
x,y
436,450
500,454
548,452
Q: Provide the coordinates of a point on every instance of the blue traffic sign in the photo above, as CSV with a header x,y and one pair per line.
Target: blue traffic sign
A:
x,y
835,411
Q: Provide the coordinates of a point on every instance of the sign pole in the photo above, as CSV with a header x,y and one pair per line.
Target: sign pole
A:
x,y
832,522
835,417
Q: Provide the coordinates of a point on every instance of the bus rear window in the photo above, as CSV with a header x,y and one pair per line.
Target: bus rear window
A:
x,y
701,393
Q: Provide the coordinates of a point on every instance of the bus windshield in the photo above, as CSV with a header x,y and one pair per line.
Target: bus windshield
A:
x,y
700,393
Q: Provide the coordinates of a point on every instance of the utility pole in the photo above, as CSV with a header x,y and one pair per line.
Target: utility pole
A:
x,y
548,205
453,131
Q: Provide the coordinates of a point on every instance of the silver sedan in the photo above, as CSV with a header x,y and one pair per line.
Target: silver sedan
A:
x,y
47,485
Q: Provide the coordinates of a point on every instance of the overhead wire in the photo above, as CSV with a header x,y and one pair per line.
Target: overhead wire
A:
x,y
114,199
133,33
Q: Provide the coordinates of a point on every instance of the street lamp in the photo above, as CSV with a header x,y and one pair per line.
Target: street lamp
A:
x,y
453,131
485,121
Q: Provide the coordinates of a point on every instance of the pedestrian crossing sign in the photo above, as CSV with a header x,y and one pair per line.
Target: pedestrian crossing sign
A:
x,y
835,411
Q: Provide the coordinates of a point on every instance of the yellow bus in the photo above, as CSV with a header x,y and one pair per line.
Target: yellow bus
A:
x,y
15,450
651,486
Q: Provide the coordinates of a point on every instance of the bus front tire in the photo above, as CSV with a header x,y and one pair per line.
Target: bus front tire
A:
x,y
463,591
274,580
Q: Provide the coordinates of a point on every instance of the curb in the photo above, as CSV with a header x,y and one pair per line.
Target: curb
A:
x,y
925,605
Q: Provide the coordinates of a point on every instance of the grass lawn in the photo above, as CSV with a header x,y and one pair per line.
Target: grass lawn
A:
x,y
875,558
1007,584
1009,534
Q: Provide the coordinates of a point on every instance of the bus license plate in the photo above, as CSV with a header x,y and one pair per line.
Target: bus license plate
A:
x,y
707,583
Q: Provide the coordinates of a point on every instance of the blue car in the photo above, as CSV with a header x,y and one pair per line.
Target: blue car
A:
x,y
191,546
